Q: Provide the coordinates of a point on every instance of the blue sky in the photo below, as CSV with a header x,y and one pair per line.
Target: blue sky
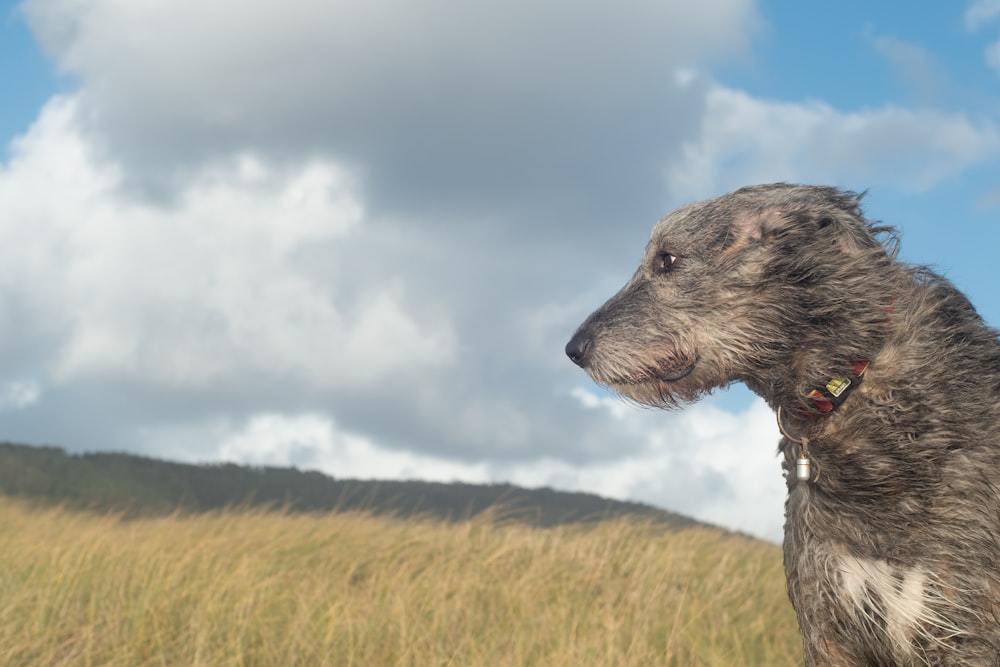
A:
x,y
27,78
355,236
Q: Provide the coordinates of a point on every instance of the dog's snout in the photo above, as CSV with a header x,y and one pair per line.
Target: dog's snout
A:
x,y
576,348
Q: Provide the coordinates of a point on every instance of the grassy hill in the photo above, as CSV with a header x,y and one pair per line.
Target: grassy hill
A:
x,y
140,486
185,565
271,589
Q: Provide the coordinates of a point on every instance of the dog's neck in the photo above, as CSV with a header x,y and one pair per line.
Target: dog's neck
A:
x,y
811,382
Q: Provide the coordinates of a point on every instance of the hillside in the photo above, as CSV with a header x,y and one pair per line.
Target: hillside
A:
x,y
270,589
226,581
139,486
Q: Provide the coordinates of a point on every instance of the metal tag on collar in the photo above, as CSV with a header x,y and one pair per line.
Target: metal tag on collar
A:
x,y
836,390
803,469
803,464
838,386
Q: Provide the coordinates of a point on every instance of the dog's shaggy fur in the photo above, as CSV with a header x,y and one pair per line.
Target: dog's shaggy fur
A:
x,y
892,546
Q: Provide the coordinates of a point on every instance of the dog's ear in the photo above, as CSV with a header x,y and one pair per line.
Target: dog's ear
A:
x,y
844,226
852,233
757,224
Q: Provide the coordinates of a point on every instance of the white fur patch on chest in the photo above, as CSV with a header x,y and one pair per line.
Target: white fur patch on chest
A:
x,y
905,601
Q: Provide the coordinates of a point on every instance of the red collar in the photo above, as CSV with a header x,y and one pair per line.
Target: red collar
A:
x,y
828,397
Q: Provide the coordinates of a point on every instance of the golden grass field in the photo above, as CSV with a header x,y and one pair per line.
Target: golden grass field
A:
x,y
260,589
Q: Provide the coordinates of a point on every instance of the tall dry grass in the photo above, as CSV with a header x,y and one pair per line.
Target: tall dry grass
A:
x,y
252,588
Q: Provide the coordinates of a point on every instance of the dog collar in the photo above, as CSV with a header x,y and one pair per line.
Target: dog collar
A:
x,y
825,399
828,397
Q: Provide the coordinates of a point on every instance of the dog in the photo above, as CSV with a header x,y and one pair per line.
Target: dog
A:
x,y
886,385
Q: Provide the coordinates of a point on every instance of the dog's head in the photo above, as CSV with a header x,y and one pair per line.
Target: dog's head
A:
x,y
738,288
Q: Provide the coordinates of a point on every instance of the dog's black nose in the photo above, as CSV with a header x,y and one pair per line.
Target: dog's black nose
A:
x,y
577,346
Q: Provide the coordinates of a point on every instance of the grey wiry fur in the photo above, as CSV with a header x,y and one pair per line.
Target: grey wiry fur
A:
x,y
892,551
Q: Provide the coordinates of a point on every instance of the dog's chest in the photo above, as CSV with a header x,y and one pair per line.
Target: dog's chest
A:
x,y
879,611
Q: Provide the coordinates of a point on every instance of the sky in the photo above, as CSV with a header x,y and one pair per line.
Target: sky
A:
x,y
356,236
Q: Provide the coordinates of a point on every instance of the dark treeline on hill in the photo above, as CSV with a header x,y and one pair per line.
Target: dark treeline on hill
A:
x,y
138,486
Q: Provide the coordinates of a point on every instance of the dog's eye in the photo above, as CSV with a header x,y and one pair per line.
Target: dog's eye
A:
x,y
664,262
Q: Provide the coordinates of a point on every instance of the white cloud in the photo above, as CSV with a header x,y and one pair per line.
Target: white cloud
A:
x,y
748,140
203,290
314,441
19,394
981,12
424,95
978,14
992,55
616,408
236,62
917,70
703,462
